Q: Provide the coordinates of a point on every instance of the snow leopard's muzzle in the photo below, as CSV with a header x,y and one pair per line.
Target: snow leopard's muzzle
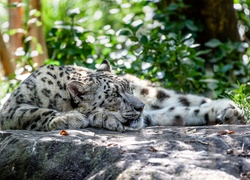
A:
x,y
131,108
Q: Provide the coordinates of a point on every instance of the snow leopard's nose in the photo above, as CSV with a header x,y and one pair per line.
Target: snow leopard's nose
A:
x,y
134,103
139,106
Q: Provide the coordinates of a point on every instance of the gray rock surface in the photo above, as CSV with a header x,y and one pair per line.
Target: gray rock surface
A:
x,y
202,152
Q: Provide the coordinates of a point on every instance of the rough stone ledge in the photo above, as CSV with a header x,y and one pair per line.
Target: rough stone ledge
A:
x,y
201,152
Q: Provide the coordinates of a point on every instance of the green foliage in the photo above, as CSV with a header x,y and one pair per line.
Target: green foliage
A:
x,y
174,20
67,44
227,64
163,56
6,88
242,8
241,96
170,59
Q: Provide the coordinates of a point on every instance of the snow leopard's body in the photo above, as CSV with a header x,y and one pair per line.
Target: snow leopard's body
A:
x,y
71,97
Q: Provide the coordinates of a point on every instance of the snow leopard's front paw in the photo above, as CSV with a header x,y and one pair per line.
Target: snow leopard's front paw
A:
x,y
70,120
227,112
106,120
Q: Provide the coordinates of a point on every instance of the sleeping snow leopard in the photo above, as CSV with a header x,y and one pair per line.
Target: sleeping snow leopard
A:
x,y
72,97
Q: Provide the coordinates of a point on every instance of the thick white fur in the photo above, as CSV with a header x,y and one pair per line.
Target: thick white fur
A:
x,y
199,111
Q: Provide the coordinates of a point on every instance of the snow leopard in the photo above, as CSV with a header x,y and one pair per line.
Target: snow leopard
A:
x,y
73,97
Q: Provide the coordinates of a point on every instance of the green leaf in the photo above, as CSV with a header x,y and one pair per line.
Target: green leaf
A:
x,y
12,32
73,12
203,52
51,61
213,43
189,42
124,32
186,37
159,16
199,59
227,68
172,7
172,36
144,39
35,13
191,26
39,48
133,38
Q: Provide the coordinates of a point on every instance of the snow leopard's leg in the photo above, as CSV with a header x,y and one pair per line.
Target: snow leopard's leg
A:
x,y
25,116
179,116
219,111
108,120
227,112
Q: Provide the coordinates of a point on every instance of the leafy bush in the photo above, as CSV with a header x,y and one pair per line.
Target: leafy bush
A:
x,y
144,43
227,65
67,45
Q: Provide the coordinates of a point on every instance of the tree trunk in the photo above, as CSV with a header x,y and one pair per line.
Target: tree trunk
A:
x,y
38,44
218,18
5,58
15,23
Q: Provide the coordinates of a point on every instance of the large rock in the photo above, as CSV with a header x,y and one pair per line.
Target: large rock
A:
x,y
152,153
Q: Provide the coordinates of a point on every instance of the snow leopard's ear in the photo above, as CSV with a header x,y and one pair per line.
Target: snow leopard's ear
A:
x,y
104,66
80,91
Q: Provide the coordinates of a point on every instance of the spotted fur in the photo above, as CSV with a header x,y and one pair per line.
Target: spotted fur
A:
x,y
167,107
72,97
